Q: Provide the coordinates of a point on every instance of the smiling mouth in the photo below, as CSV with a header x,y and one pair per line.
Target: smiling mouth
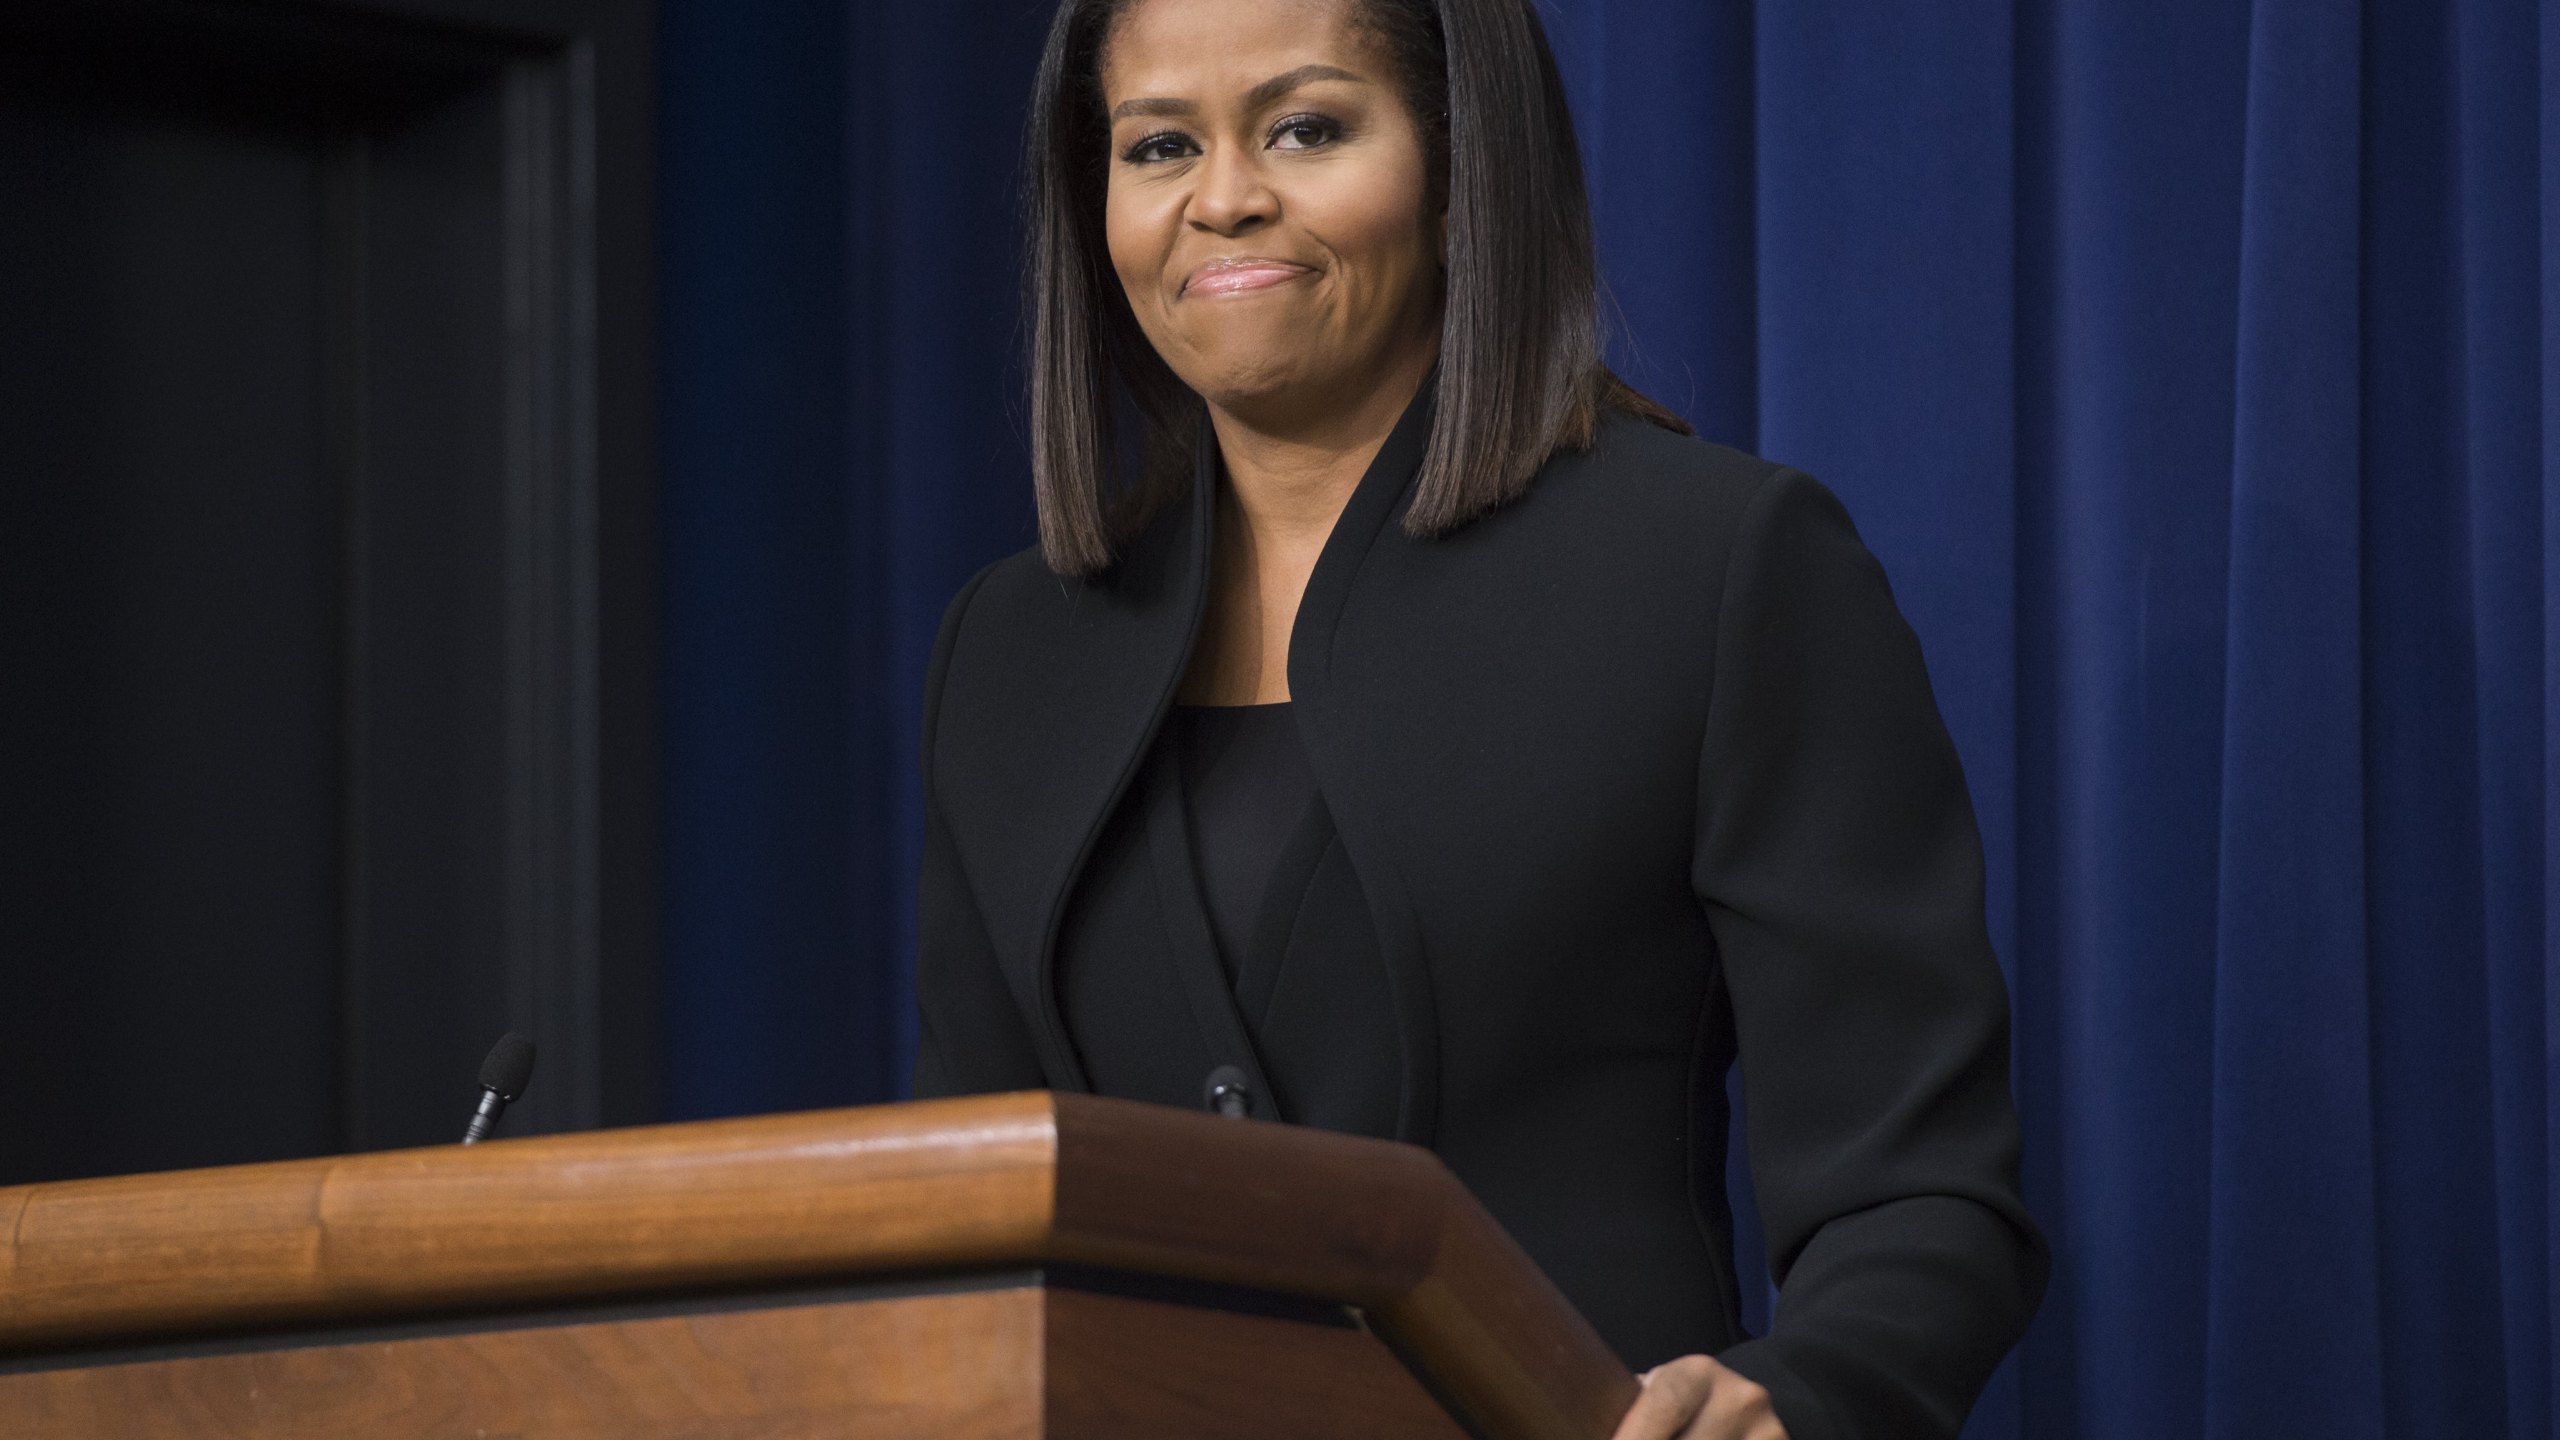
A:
x,y
1237,277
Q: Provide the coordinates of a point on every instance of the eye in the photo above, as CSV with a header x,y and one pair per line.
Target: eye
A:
x,y
1305,132
1161,146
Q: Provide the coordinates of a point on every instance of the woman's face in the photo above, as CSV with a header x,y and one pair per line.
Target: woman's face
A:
x,y
1267,203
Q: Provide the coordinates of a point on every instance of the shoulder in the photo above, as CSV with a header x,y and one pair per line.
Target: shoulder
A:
x,y
1635,449
1637,479
1639,456
1019,583
1018,608
978,610
1644,500
1021,642
1003,611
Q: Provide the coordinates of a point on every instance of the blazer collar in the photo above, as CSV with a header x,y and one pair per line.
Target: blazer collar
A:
x,y
1330,727
1385,492
1127,650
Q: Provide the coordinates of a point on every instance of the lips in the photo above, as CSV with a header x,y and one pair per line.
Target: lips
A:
x,y
1239,275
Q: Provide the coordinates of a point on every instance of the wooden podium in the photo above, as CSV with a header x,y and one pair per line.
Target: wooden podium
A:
x,y
1014,1265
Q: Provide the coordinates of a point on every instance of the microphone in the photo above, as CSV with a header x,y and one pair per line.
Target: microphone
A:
x,y
502,1079
1226,1092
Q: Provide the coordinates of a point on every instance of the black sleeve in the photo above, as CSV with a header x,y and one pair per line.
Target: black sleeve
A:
x,y
1842,875
970,1035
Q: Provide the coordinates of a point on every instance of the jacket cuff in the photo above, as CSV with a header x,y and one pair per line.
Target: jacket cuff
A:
x,y
1799,1406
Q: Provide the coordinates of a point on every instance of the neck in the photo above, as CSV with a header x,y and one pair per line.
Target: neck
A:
x,y
1286,486
1290,475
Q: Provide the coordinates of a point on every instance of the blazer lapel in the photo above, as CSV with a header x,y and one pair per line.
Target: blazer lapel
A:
x,y
1330,726
1116,663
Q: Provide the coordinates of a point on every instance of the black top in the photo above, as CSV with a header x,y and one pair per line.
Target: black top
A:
x,y
1245,786
1633,777
1219,901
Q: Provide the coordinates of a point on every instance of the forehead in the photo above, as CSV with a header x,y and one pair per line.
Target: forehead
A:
x,y
1184,48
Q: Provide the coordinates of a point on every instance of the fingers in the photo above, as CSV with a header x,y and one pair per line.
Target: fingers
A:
x,y
1672,1397
1695,1398
1737,1409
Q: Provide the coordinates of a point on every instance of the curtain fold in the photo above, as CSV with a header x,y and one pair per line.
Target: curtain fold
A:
x,y
2508,300
2542,1400
2292,1271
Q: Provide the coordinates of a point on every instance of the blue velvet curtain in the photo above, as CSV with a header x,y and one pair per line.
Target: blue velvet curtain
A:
x,y
2193,368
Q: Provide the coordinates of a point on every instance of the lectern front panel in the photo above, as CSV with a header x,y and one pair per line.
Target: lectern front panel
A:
x,y
1024,1359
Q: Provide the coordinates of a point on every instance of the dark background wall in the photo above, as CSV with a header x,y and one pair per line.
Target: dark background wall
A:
x,y
327,562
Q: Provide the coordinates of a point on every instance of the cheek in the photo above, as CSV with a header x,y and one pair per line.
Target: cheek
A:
x,y
1123,241
1374,222
1135,231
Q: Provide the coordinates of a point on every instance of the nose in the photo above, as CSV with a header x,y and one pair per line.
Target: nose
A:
x,y
1233,197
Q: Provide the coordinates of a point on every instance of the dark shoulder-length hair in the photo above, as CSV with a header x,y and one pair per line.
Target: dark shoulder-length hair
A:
x,y
1519,374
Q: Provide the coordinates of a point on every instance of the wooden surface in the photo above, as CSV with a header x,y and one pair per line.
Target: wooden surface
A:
x,y
1121,1367
882,1368
974,1365
1366,1222
980,1182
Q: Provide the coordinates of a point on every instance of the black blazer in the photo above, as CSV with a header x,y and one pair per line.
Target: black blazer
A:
x,y
1636,775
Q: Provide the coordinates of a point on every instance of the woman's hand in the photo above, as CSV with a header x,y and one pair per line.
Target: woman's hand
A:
x,y
1694,1398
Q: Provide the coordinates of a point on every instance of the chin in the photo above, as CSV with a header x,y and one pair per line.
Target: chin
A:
x,y
1252,379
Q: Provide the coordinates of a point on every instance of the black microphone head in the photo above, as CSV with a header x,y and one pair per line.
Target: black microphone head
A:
x,y
509,1066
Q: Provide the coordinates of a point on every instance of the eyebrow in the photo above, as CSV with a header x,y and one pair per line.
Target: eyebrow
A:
x,y
1254,99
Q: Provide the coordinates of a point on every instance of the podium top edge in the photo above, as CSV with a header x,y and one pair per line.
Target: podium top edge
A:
x,y
999,1181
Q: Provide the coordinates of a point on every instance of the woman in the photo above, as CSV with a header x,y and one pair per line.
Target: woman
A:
x,y
1434,741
